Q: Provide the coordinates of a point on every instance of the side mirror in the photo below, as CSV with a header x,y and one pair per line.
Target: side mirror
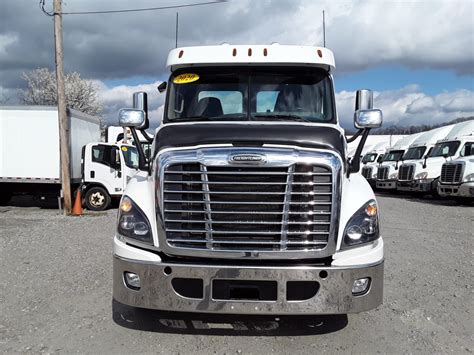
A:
x,y
364,100
162,87
140,102
131,117
371,118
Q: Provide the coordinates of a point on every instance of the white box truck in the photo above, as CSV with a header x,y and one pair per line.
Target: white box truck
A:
x,y
29,149
415,158
249,204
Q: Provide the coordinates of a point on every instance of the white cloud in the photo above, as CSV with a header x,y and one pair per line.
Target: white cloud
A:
x,y
410,106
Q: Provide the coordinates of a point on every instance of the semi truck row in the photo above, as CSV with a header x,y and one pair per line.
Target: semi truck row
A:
x,y
437,162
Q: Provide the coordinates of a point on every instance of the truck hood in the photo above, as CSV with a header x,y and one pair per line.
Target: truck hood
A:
x,y
318,136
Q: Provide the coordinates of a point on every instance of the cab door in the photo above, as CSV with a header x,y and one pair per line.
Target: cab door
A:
x,y
129,158
105,167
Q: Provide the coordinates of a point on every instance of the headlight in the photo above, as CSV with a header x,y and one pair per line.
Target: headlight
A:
x,y
393,176
421,176
469,178
363,227
132,222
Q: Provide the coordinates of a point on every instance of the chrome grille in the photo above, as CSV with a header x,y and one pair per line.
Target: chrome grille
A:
x,y
367,172
451,173
235,208
406,172
382,173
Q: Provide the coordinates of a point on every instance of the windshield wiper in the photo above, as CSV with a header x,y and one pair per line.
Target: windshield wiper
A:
x,y
282,117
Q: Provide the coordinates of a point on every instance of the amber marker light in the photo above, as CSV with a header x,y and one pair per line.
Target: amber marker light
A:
x,y
126,204
371,209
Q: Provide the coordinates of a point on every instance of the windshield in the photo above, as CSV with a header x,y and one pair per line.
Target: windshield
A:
x,y
414,153
393,155
468,149
130,155
246,93
369,158
445,149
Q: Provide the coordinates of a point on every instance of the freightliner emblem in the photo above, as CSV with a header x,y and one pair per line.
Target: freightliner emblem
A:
x,y
247,158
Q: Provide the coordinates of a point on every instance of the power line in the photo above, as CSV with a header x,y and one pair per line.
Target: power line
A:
x,y
41,5
135,10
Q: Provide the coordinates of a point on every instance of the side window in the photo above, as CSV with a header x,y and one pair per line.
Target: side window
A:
x,y
468,149
106,155
429,151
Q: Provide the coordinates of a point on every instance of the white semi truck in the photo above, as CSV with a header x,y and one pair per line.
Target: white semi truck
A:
x,y
387,171
248,203
415,158
457,176
372,160
29,149
427,173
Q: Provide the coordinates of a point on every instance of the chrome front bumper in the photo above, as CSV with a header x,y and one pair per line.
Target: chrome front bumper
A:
x,y
386,184
416,185
462,190
333,297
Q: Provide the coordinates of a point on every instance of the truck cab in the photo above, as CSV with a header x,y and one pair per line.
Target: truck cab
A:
x,y
248,203
387,171
415,159
371,161
107,168
427,173
457,176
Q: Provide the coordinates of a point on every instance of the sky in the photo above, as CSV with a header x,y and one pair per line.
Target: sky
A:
x,y
417,56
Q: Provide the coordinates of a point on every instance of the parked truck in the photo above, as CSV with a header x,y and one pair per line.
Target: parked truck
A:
x,y
248,203
457,176
387,171
428,172
415,159
372,160
29,149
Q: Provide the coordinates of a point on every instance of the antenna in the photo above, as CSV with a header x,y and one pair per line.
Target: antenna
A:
x,y
177,22
324,30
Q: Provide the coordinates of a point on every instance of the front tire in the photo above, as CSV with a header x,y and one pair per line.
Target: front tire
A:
x,y
97,199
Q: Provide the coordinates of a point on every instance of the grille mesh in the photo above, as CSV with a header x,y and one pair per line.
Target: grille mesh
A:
x,y
406,172
382,173
451,173
367,172
247,208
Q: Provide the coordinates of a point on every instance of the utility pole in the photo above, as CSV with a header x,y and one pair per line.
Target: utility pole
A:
x,y
62,113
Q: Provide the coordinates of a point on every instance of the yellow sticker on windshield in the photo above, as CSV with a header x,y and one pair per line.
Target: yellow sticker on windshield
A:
x,y
185,78
124,149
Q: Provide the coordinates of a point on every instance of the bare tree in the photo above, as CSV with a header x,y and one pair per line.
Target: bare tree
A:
x,y
81,94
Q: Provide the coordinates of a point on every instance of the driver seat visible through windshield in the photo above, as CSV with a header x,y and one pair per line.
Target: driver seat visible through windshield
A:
x,y
207,107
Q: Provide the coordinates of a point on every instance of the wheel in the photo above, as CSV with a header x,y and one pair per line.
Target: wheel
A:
x,y
5,197
97,199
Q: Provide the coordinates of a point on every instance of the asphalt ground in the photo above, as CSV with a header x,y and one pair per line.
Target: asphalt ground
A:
x,y
56,293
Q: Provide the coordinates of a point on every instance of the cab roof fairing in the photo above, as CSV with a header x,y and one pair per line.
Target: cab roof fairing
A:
x,y
274,54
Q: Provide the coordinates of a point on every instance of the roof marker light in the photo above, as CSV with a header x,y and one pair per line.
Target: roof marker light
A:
x,y
265,52
180,54
234,52
320,53
250,52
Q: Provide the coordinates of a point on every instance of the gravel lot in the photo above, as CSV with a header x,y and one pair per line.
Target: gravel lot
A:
x,y
56,284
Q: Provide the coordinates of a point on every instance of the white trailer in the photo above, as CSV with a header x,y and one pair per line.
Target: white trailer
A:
x,y
29,149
